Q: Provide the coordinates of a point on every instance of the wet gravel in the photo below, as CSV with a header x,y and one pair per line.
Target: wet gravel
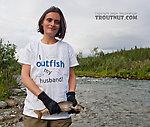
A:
x,y
109,103
113,102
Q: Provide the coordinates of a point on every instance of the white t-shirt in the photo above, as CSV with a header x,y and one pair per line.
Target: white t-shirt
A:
x,y
50,71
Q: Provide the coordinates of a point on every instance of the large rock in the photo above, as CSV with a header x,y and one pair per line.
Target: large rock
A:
x,y
3,104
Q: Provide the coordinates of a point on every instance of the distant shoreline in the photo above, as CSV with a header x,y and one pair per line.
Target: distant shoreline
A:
x,y
127,64
94,75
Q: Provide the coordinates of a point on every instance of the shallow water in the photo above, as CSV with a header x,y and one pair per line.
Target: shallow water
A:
x,y
113,102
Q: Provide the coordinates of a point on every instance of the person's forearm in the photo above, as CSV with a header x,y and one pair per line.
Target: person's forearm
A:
x,y
30,84
72,81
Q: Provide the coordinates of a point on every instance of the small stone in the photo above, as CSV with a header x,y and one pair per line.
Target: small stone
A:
x,y
23,89
15,120
12,97
10,102
3,104
16,91
1,118
20,117
19,124
7,113
13,116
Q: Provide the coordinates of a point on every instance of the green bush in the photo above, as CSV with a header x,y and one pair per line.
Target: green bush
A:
x,y
125,63
8,67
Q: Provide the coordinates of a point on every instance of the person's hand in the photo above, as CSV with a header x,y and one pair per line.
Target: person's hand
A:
x,y
73,111
50,104
71,97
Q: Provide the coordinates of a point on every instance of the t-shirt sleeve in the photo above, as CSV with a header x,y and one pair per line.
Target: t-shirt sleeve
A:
x,y
26,56
72,58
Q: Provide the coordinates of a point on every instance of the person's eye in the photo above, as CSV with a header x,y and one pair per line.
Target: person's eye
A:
x,y
57,22
49,19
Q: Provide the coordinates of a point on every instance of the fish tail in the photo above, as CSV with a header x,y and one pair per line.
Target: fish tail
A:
x,y
39,113
87,109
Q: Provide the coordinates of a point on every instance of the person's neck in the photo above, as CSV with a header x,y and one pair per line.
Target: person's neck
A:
x,y
49,40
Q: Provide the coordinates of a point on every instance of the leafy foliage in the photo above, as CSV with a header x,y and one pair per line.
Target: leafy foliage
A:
x,y
134,63
8,68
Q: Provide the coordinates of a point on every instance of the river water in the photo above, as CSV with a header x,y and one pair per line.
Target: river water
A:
x,y
113,102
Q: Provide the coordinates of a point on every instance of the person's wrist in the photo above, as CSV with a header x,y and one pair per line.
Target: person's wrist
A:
x,y
71,94
71,97
44,98
50,104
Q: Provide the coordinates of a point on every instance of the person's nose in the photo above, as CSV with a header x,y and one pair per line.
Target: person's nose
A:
x,y
52,23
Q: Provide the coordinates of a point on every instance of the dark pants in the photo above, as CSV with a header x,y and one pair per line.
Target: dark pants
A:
x,y
33,122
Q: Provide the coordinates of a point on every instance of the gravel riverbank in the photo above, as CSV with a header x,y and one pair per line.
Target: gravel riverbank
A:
x,y
110,102
113,102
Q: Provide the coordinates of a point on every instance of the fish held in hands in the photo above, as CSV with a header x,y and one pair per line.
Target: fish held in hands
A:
x,y
65,106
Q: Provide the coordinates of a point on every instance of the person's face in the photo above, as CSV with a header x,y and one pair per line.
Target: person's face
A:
x,y
51,23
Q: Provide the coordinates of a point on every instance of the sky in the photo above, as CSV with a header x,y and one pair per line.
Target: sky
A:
x,y
19,23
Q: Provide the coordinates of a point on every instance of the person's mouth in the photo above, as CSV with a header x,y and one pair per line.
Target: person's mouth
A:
x,y
51,28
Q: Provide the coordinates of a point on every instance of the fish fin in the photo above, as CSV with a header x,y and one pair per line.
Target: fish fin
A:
x,y
72,107
87,109
83,107
38,113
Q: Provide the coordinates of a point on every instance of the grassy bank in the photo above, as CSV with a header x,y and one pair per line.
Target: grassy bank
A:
x,y
132,64
99,75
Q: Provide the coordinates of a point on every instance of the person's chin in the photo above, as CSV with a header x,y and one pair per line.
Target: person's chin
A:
x,y
51,34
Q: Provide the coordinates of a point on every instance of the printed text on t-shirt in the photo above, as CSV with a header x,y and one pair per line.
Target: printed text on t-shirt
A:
x,y
51,63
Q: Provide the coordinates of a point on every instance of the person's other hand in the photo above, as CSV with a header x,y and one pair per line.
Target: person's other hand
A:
x,y
50,104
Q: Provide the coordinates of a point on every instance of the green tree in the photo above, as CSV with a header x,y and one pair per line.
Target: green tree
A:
x,y
79,55
95,52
